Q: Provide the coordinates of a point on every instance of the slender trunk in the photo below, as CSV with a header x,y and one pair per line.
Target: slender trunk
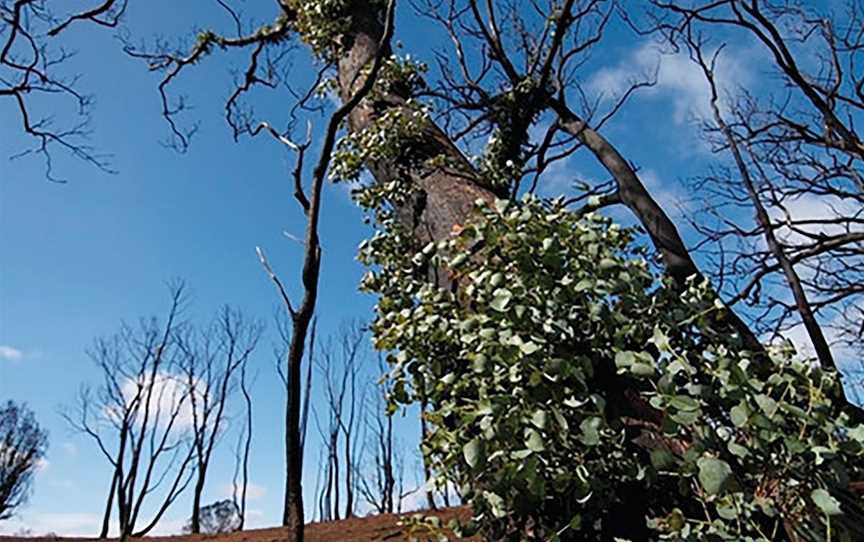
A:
x,y
293,515
349,492
389,478
195,526
633,194
802,304
328,495
336,485
304,419
246,446
176,489
122,507
106,518
293,512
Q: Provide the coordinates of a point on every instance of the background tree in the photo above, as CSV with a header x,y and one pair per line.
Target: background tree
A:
x,y
22,447
217,518
240,480
339,364
210,364
139,418
302,315
782,227
381,480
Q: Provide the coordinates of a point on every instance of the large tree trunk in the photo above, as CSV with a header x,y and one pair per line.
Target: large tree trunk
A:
x,y
445,195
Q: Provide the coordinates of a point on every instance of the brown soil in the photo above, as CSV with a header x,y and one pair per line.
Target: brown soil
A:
x,y
369,529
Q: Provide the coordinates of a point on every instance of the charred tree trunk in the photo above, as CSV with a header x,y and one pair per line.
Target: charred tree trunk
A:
x,y
631,192
106,518
445,195
349,488
195,526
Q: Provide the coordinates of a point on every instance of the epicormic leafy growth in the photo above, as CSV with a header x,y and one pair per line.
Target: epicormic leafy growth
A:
x,y
525,364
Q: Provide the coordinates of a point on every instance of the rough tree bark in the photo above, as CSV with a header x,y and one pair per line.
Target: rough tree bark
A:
x,y
446,195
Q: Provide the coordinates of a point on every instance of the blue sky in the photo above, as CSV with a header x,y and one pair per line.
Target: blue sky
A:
x,y
78,258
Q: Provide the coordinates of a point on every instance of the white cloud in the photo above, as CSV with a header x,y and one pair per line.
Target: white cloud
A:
x,y
9,353
60,523
668,193
168,396
77,524
42,464
253,491
678,78
815,207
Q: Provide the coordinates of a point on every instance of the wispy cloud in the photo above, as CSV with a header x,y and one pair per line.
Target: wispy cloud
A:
x,y
75,524
253,491
678,78
809,207
59,523
168,400
9,353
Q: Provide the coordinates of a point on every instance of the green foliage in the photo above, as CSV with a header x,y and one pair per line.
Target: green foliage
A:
x,y
322,22
503,160
524,367
402,76
390,134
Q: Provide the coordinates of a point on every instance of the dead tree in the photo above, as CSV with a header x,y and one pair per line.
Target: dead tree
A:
x,y
32,78
22,448
378,479
209,366
280,351
339,364
797,156
240,481
302,315
138,419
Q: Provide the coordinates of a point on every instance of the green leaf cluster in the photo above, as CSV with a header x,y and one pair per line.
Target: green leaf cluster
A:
x,y
524,366
321,23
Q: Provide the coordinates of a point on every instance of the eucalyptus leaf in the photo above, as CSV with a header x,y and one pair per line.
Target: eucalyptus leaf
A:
x,y
501,299
713,474
828,504
534,441
471,451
